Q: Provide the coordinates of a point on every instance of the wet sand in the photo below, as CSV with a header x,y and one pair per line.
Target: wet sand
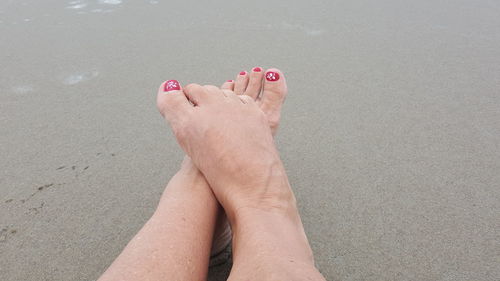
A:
x,y
390,133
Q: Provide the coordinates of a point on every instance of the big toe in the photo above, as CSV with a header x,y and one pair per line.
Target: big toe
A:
x,y
273,95
171,101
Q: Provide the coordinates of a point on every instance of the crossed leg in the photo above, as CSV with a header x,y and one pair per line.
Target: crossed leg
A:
x,y
229,139
175,243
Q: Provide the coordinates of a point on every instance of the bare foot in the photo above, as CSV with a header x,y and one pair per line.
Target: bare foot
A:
x,y
269,90
229,139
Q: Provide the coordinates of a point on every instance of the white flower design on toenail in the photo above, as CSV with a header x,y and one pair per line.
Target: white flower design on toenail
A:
x,y
272,76
172,85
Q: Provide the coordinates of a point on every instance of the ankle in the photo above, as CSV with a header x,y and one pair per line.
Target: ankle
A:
x,y
263,186
275,233
273,226
276,200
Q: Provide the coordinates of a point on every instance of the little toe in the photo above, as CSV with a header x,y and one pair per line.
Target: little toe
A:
x,y
171,101
228,85
241,83
254,86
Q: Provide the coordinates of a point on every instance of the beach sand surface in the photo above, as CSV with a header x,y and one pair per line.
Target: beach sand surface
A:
x,y
390,133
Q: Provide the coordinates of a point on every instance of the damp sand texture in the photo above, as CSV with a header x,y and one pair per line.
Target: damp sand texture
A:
x,y
390,132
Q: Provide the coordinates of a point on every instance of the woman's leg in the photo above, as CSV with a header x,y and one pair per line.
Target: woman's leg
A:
x,y
230,142
175,243
177,240
269,244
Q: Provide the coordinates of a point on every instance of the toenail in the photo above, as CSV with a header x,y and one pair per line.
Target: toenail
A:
x,y
272,76
257,69
172,85
230,81
243,73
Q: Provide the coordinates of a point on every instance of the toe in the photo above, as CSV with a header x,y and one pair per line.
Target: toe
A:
x,y
274,89
273,95
241,83
228,85
215,91
171,101
254,83
246,99
198,94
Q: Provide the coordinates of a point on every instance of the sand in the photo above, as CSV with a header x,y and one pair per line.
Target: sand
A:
x,y
390,133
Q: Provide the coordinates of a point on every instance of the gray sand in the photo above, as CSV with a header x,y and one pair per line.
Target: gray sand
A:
x,y
390,134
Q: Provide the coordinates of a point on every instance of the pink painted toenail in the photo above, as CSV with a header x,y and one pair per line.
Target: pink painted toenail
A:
x,y
272,76
230,81
172,85
243,73
257,69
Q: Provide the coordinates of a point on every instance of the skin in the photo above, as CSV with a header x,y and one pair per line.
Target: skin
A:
x,y
268,240
229,139
175,242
